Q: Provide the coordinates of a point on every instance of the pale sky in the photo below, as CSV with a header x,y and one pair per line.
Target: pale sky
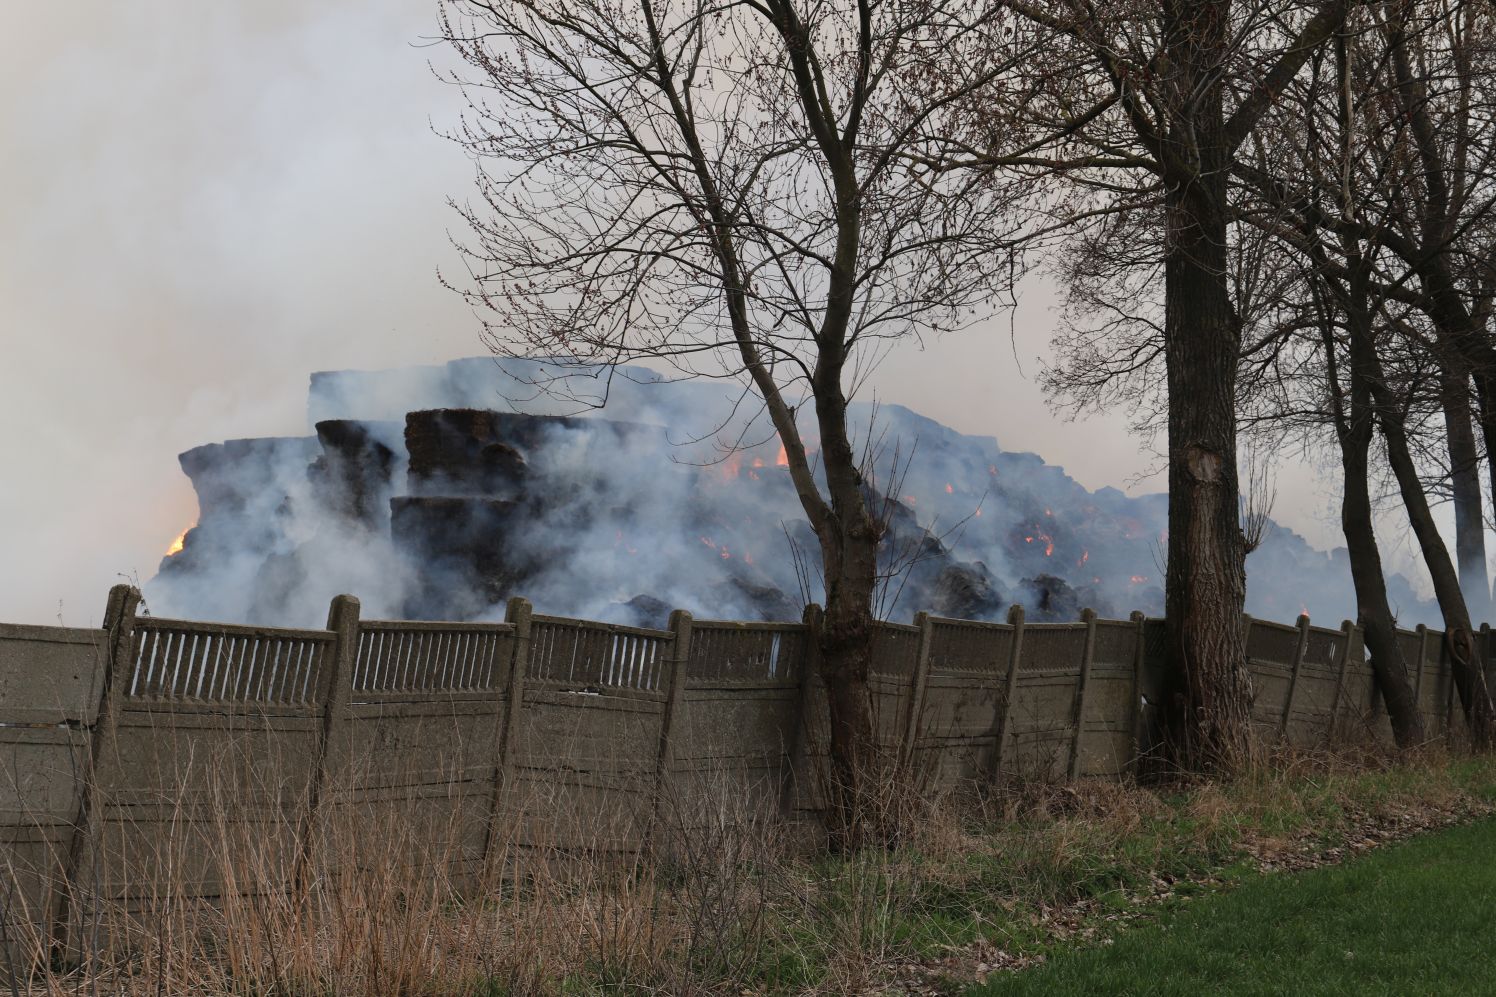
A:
x,y
203,203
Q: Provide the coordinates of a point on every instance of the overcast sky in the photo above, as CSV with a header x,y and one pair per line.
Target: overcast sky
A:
x,y
205,202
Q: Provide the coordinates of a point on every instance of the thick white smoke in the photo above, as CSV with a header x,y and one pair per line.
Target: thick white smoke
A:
x,y
625,525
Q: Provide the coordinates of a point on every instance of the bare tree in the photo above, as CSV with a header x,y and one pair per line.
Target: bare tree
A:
x,y
1352,205
732,189
1148,116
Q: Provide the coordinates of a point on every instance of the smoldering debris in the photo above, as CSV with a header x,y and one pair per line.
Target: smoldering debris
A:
x,y
422,492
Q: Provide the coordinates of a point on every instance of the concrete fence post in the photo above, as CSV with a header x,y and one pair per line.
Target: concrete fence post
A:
x,y
1139,662
797,757
1293,675
1447,672
333,693
1088,617
917,683
1003,727
1483,653
518,614
119,625
1422,632
1348,634
675,700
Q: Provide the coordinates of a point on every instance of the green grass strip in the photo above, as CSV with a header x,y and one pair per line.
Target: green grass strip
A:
x,y
1418,917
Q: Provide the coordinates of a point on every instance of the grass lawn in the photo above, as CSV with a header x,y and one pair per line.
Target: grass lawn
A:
x,y
1417,917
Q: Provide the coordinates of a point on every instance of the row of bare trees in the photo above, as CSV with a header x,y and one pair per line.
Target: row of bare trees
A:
x,y
1284,205
1359,261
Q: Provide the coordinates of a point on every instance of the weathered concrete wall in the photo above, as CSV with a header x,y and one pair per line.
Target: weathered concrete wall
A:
x,y
50,686
149,756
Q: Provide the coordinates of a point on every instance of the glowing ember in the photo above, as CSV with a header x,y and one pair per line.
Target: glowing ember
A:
x,y
1138,579
178,544
948,489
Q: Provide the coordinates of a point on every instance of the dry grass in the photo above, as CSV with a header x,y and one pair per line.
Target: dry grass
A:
x,y
393,900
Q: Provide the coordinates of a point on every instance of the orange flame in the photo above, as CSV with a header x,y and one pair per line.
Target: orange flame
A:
x,y
178,544
1138,579
783,460
948,489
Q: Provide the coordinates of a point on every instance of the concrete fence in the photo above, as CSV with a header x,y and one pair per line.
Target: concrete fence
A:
x,y
126,746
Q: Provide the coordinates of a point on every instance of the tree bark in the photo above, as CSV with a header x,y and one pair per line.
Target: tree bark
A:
x,y
1464,482
849,551
1470,680
1373,612
1355,425
1206,585
1209,711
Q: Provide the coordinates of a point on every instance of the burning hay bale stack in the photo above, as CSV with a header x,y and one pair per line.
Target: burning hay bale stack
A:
x,y
428,504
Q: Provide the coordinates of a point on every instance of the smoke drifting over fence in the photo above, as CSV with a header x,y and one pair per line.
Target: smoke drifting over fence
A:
x,y
420,495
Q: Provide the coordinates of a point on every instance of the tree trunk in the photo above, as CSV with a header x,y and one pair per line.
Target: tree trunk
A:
x,y
1354,430
1209,712
846,653
1464,481
1475,698
849,552
1210,709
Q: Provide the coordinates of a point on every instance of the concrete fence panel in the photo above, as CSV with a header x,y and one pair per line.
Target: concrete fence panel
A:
x,y
51,683
212,748
1105,743
956,734
427,702
1042,717
1272,658
586,743
740,714
154,761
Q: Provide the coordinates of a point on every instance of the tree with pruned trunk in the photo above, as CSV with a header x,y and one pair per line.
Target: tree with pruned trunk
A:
x,y
1341,331
734,190
1142,109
